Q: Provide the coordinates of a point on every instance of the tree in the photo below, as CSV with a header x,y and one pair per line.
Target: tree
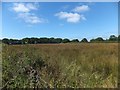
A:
x,y
84,40
65,40
99,39
58,40
92,40
5,40
113,38
44,40
75,40
26,41
51,40
33,40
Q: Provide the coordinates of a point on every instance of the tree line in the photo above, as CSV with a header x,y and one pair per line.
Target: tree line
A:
x,y
45,40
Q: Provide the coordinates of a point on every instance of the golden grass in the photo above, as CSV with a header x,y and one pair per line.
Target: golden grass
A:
x,y
80,65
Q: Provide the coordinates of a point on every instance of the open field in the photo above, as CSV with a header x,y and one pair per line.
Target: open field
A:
x,y
80,65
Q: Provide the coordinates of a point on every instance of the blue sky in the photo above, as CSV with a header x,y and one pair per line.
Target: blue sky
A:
x,y
64,20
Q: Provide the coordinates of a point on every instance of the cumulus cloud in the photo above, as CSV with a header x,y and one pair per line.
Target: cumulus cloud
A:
x,y
82,8
25,12
70,17
75,15
30,18
22,7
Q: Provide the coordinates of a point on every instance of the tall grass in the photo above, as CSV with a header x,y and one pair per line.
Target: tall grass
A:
x,y
84,65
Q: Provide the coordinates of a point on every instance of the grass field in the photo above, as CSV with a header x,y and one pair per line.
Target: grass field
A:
x,y
80,65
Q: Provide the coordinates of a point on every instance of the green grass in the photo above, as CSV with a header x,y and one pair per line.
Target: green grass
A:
x,y
84,65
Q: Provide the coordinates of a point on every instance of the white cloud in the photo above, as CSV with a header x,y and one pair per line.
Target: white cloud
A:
x,y
82,8
22,7
75,15
31,6
70,17
25,12
30,18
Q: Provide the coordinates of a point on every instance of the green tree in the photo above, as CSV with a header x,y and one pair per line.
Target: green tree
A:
x,y
26,41
99,39
5,40
33,40
65,40
113,38
58,40
84,40
44,40
75,40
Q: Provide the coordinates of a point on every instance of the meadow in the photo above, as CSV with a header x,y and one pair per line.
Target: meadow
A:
x,y
68,65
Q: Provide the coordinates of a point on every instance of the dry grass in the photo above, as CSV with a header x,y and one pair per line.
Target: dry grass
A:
x,y
84,65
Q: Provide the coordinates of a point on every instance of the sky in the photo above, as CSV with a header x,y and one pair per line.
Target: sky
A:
x,y
73,20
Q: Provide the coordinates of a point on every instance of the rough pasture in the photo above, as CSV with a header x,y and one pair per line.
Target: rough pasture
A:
x,y
83,65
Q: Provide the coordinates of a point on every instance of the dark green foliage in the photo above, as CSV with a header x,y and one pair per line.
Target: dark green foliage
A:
x,y
25,40
113,38
75,40
84,40
92,40
65,40
21,69
58,40
45,40
99,39
55,40
5,40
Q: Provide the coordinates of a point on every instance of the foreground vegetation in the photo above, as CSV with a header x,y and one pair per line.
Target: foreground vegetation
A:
x,y
81,65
